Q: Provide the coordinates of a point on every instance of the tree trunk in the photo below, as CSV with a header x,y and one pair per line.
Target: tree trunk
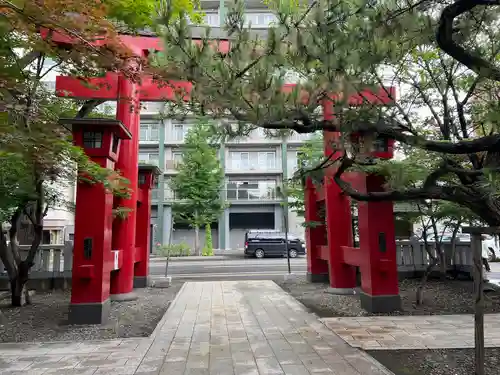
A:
x,y
19,291
454,247
479,305
197,240
439,249
420,289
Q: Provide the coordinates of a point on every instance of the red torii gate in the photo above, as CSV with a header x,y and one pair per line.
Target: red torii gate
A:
x,y
92,289
128,95
331,255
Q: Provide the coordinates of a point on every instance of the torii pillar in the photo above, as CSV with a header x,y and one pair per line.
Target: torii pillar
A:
x,y
147,177
124,230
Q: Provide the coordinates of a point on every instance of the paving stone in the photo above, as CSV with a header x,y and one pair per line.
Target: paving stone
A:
x,y
269,366
110,362
74,371
414,332
196,371
173,368
234,328
246,370
240,347
197,362
287,357
32,372
294,370
121,370
278,345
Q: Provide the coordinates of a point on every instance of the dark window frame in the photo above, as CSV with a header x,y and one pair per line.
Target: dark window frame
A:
x,y
93,139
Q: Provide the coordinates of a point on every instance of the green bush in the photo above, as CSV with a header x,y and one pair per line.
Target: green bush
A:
x,y
176,250
208,249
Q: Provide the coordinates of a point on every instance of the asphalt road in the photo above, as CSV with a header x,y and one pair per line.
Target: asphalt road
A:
x,y
228,269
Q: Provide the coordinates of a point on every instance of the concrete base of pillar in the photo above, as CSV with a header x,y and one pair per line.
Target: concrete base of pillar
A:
x,y
163,282
317,278
380,304
342,291
89,313
123,297
141,282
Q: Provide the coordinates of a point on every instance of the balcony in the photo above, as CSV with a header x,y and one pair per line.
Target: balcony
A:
x,y
256,137
251,191
253,162
253,170
298,137
171,166
251,196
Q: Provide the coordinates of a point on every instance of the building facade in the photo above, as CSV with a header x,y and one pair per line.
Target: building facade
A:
x,y
254,168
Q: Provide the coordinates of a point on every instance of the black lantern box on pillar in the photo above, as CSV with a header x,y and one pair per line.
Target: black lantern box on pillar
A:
x,y
372,145
99,137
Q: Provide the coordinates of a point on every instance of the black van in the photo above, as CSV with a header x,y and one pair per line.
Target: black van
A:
x,y
261,243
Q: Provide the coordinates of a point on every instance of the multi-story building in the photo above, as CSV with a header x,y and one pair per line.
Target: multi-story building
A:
x,y
254,167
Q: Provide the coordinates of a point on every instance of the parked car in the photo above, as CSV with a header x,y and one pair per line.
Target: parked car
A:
x,y
262,243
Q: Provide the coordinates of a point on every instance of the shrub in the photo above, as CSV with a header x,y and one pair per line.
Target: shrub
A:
x,y
176,250
208,249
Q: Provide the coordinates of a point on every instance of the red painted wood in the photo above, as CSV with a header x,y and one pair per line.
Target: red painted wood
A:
x,y
93,219
143,232
315,236
378,268
377,277
380,276
124,230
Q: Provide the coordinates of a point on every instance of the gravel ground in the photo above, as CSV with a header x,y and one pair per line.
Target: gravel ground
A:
x,y
46,318
440,298
436,362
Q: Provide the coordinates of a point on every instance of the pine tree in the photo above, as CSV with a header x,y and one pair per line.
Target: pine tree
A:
x,y
448,110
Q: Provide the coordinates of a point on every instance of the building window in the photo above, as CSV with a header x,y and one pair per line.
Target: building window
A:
x,y
264,160
212,19
259,19
154,190
92,139
149,158
150,132
251,190
180,131
267,160
177,157
52,237
292,162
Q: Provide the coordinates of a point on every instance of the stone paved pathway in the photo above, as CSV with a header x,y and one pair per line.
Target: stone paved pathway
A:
x,y
414,332
212,328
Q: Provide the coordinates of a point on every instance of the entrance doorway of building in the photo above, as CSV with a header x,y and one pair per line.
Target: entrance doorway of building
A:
x,y
241,222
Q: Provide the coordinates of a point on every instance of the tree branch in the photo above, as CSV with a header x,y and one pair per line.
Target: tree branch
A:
x,y
389,128
445,41
427,192
88,107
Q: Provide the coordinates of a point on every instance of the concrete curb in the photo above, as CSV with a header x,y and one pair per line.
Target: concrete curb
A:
x,y
165,316
197,258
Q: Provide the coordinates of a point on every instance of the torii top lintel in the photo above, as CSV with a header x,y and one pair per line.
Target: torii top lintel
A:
x,y
107,88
